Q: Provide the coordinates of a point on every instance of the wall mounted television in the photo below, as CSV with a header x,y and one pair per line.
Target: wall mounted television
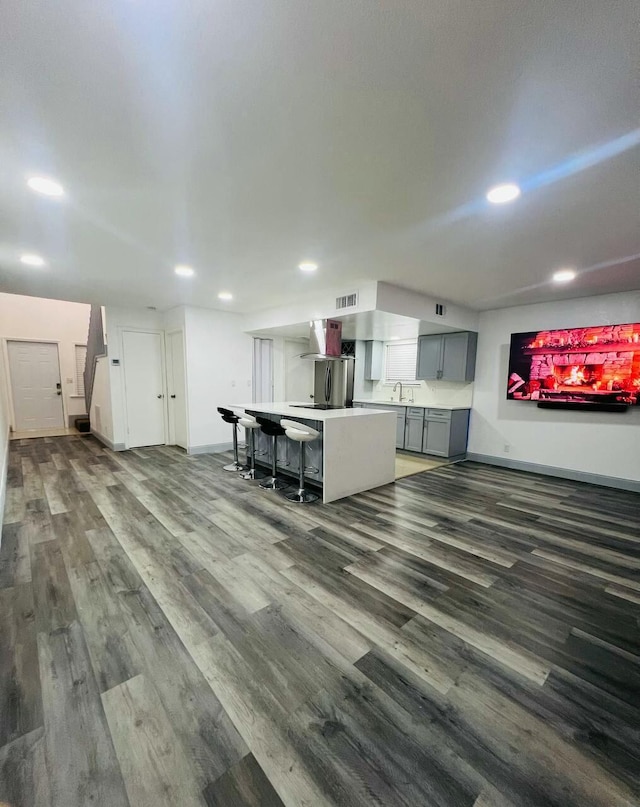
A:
x,y
597,367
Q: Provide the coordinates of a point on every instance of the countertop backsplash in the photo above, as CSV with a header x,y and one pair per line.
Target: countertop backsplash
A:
x,y
429,393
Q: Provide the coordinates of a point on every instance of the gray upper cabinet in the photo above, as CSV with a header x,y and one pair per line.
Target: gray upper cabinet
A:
x,y
373,352
447,356
459,356
429,357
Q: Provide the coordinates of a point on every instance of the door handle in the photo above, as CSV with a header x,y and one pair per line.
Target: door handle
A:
x,y
159,396
172,396
59,392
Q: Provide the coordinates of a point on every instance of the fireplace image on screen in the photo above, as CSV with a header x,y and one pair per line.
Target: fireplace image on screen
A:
x,y
598,365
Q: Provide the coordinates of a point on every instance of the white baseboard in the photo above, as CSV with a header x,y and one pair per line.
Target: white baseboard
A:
x,y
562,473
215,448
108,443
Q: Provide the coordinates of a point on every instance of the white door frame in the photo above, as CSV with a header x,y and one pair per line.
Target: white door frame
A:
x,y
8,391
186,385
163,371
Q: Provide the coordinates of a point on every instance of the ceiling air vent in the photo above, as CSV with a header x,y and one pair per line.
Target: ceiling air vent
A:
x,y
347,301
440,310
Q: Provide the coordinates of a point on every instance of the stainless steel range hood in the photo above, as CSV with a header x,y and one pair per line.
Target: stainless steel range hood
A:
x,y
325,341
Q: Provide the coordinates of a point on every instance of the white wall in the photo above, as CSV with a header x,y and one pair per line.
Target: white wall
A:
x,y
407,303
173,319
219,371
101,415
44,320
372,296
316,306
428,393
605,444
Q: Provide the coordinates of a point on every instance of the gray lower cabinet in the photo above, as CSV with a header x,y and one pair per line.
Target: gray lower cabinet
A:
x,y
413,430
435,437
445,432
400,428
441,432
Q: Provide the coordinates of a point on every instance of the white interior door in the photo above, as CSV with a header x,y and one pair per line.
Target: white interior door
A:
x,y
298,379
177,389
35,385
144,388
262,370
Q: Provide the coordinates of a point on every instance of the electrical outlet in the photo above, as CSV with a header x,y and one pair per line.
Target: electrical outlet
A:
x,y
507,448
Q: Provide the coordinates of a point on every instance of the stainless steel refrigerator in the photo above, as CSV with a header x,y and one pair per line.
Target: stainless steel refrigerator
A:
x,y
333,382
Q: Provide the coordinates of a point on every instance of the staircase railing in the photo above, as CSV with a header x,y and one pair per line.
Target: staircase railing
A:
x,y
95,348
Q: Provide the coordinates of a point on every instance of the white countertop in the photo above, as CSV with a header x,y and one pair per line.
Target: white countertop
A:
x,y
288,409
408,403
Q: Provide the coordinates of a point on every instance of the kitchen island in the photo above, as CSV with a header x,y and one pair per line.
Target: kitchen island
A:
x,y
355,451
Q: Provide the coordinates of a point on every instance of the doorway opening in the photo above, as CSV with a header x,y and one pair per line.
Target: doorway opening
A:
x,y
262,370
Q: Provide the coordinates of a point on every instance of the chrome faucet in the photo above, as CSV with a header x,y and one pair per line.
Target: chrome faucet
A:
x,y
400,399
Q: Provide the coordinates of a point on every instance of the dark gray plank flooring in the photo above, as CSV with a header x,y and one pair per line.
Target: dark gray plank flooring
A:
x,y
170,634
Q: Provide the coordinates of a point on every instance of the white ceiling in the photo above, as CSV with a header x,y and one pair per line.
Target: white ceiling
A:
x,y
242,137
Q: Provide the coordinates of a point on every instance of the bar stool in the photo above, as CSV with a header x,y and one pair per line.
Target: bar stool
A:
x,y
230,417
251,424
274,430
301,434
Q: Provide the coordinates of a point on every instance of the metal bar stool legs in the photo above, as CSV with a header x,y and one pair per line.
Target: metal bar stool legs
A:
x,y
250,423
301,434
274,482
302,495
230,417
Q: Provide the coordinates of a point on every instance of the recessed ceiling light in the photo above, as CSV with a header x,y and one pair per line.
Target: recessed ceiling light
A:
x,y
564,275
394,337
501,194
307,266
30,259
183,270
45,186
225,295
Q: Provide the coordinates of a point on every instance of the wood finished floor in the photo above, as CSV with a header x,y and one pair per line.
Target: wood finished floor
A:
x,y
172,636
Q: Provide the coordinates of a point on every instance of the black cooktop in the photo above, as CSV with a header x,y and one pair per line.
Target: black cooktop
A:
x,y
317,406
